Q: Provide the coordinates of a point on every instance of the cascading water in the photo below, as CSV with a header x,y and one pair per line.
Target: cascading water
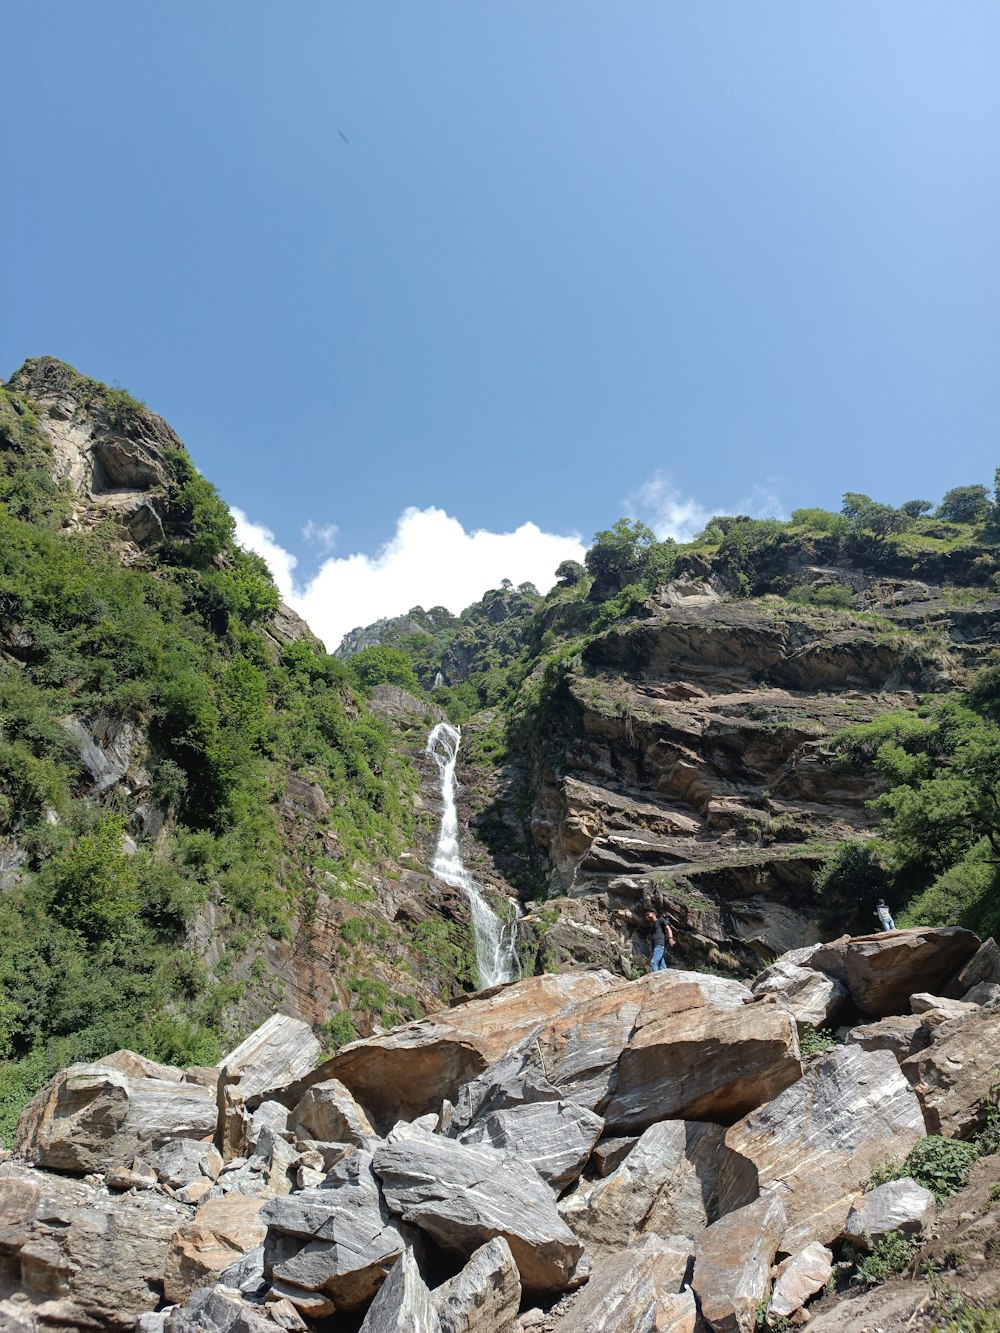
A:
x,y
495,941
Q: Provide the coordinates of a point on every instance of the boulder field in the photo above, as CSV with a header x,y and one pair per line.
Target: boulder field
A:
x,y
566,1152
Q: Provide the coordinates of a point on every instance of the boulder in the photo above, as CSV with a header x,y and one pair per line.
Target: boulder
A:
x,y
90,1117
463,1196
221,1232
556,1138
328,1112
983,993
882,971
666,1185
899,1205
609,1154
408,1072
246,1274
923,1002
902,1034
216,1310
184,1160
953,1074
810,996
984,965
640,1290
484,1297
331,1247
732,1264
89,1258
268,1115
800,1276
403,1304
139,1176
666,1070
280,1052
816,1143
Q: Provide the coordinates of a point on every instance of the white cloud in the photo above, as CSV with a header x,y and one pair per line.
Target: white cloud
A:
x,y
324,537
260,539
431,560
670,513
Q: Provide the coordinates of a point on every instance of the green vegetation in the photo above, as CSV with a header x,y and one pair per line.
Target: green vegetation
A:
x,y
168,654
891,1254
940,1165
814,1040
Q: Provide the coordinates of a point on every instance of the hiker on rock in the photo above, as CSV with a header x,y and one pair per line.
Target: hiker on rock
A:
x,y
663,940
884,915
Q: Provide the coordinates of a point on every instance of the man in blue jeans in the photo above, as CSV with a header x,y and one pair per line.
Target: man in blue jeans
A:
x,y
663,939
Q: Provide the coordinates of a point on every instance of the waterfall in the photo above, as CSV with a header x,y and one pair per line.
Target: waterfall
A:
x,y
494,940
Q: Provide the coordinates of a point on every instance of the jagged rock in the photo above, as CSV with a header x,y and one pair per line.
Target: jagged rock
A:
x,y
882,971
280,1052
268,1115
484,1297
815,1144
513,1080
216,1310
811,996
899,1205
89,1258
332,1246
184,1160
139,1066
196,1191
409,1071
403,1303
556,1138
246,1274
279,1158
90,1117
799,1277
732,1264
902,1034
329,1113
221,1231
984,965
952,1075
663,1072
609,1154
666,1185
462,1197
923,1002
983,993
636,1291
139,1176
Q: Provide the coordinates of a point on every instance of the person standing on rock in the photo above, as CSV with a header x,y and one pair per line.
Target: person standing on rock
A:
x,y
884,915
663,939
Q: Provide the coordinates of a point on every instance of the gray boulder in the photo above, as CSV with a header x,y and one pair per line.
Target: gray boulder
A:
x,y
331,1247
882,971
403,1304
178,1163
329,1113
463,1196
556,1138
732,1264
280,1052
90,1117
216,1310
640,1290
810,996
666,1185
899,1205
484,1297
815,1144
902,1034
800,1276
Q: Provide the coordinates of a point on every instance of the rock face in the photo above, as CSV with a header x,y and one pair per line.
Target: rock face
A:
x,y
462,1197
92,1117
732,1264
880,971
484,1297
404,1304
638,1291
952,1074
815,1144
331,1247
222,1231
666,1185
77,1256
280,1051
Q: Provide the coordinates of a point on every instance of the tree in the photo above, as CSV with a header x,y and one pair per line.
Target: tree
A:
x,y
569,573
964,504
869,516
625,554
379,665
915,508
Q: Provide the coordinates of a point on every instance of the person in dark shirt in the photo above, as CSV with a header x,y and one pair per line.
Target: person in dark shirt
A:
x,y
662,939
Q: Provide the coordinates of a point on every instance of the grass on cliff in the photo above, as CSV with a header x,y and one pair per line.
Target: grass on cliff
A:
x,y
101,890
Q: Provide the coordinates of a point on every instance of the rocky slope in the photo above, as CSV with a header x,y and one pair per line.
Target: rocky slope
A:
x,y
566,1152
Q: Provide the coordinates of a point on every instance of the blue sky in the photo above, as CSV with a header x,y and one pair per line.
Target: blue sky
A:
x,y
577,259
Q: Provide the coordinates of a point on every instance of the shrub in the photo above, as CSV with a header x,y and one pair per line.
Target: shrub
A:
x,y
964,504
890,1254
940,1165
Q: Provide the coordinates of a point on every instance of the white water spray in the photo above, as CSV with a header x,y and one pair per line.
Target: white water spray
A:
x,y
495,941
